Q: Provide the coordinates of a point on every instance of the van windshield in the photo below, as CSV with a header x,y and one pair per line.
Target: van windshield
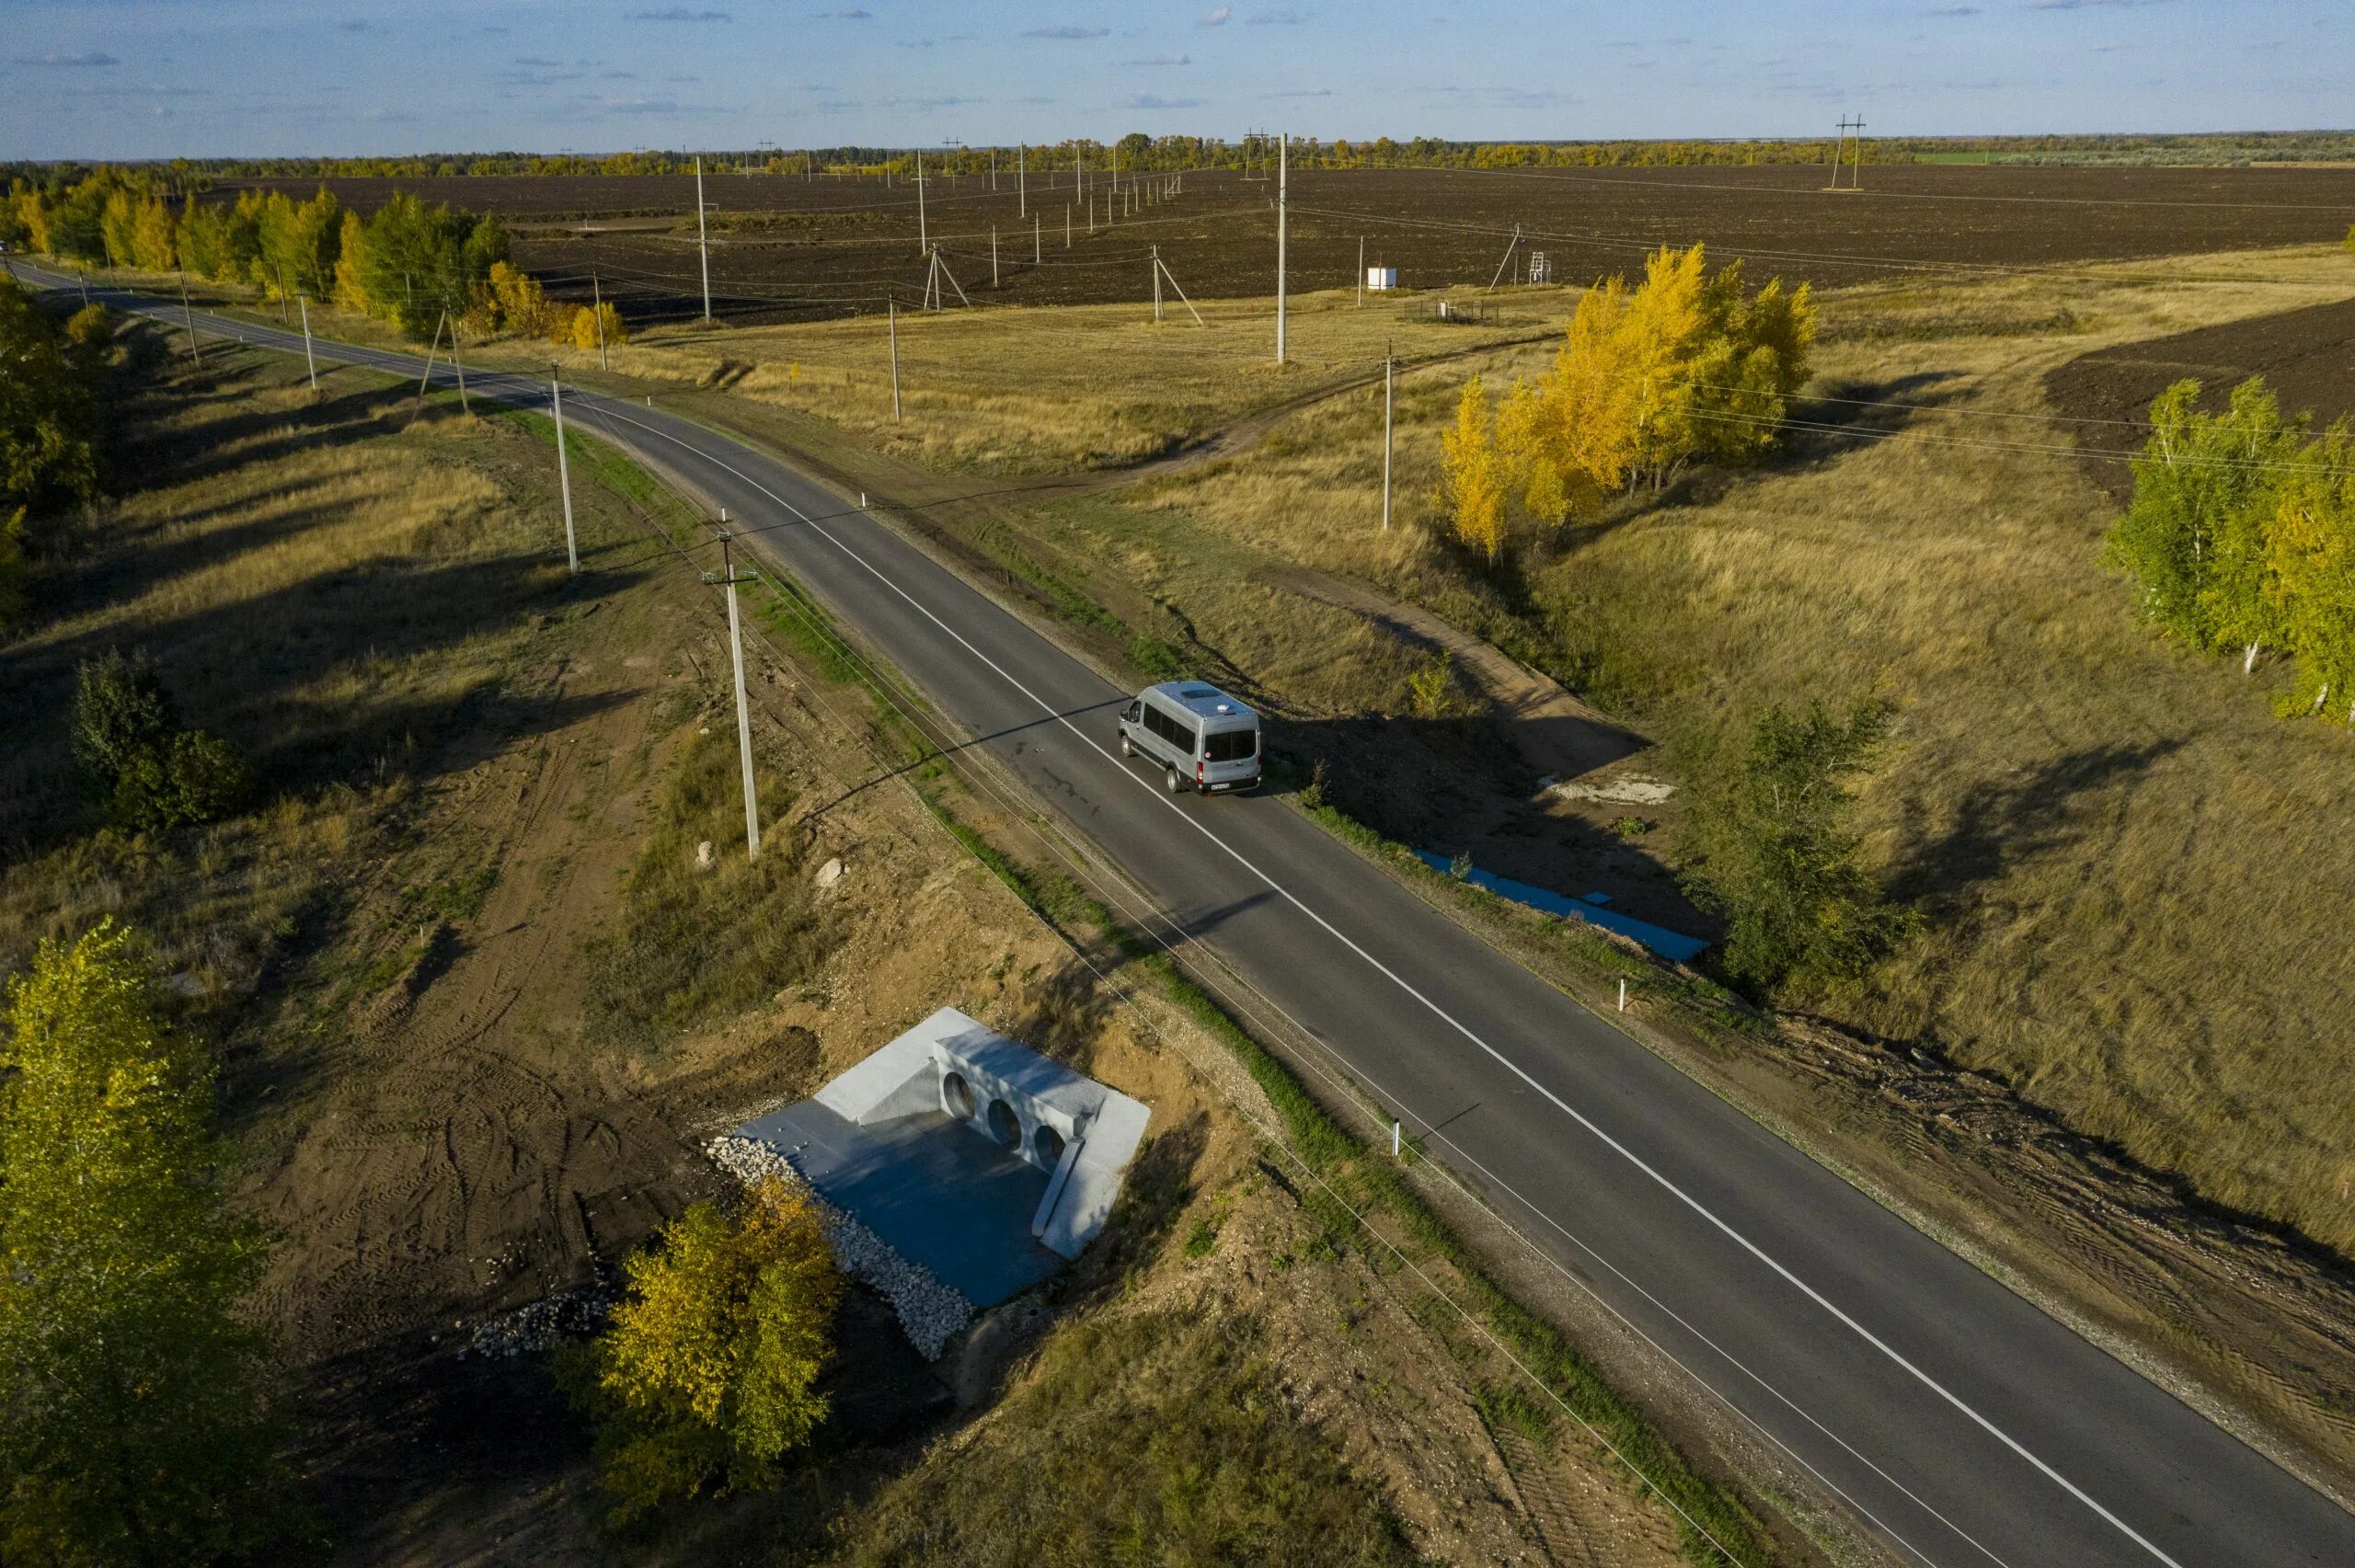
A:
x,y
1230,745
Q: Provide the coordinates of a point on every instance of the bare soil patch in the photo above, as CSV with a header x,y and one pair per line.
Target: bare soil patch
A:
x,y
2306,355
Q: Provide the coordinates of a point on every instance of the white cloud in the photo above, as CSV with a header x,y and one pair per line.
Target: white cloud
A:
x,y
1219,17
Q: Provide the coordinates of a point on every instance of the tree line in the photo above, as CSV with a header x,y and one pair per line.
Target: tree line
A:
x,y
49,450
1686,366
411,262
2241,534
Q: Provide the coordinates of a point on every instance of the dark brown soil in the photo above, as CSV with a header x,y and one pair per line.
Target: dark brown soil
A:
x,y
785,247
2306,355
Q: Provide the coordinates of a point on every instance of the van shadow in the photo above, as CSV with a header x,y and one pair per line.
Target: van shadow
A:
x,y
1457,786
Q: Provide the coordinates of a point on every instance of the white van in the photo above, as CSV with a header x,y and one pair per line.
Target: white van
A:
x,y
1203,739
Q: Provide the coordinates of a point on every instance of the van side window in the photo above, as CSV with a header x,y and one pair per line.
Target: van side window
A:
x,y
1232,746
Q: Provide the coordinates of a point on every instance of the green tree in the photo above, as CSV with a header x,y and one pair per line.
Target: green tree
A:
x,y
1780,860
134,1422
47,427
2194,535
149,771
707,1372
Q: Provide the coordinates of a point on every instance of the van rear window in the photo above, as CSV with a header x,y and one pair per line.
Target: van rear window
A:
x,y
1232,744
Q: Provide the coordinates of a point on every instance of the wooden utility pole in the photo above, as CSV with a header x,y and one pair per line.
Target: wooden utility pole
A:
x,y
702,242
1284,176
892,306
563,469
1386,404
308,363
434,349
597,294
924,243
188,316
744,710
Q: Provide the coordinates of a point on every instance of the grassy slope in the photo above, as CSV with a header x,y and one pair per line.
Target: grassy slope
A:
x,y
2127,860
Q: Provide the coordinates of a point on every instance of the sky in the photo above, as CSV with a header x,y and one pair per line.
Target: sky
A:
x,y
153,78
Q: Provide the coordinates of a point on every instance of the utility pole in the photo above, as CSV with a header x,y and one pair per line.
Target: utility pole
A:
x,y
309,364
992,256
703,240
432,349
1857,163
1022,181
893,307
1360,272
1387,362
1156,283
923,242
84,274
993,171
189,318
1283,174
743,712
597,292
1037,255
563,469
458,360
1066,225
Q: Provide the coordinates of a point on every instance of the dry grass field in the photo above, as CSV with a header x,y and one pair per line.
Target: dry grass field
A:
x,y
2131,868
1043,390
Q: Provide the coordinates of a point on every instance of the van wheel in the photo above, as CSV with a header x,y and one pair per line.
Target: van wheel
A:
x,y
1126,749
1176,784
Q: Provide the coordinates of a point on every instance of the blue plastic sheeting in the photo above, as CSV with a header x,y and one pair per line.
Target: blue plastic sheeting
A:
x,y
1673,945
940,1194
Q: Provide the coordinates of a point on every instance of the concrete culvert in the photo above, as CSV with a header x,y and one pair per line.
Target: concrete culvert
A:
x,y
957,1095
1005,1126
1047,1144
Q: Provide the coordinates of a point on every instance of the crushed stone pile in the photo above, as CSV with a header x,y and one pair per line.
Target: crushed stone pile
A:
x,y
536,1326
930,1312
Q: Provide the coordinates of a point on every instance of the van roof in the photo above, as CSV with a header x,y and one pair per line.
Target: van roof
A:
x,y
1204,700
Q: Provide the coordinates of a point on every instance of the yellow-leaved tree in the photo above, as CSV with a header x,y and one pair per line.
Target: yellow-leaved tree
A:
x,y
1683,367
589,321
707,1372
1471,475
2311,581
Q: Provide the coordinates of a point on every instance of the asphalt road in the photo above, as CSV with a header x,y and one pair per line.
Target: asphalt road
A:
x,y
1959,1421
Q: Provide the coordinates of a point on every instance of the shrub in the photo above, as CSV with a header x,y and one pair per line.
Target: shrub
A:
x,y
149,771
1780,861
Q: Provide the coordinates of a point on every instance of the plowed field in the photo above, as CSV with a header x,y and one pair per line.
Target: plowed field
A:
x,y
784,247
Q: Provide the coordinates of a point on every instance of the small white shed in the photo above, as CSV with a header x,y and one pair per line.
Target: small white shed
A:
x,y
1379,277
